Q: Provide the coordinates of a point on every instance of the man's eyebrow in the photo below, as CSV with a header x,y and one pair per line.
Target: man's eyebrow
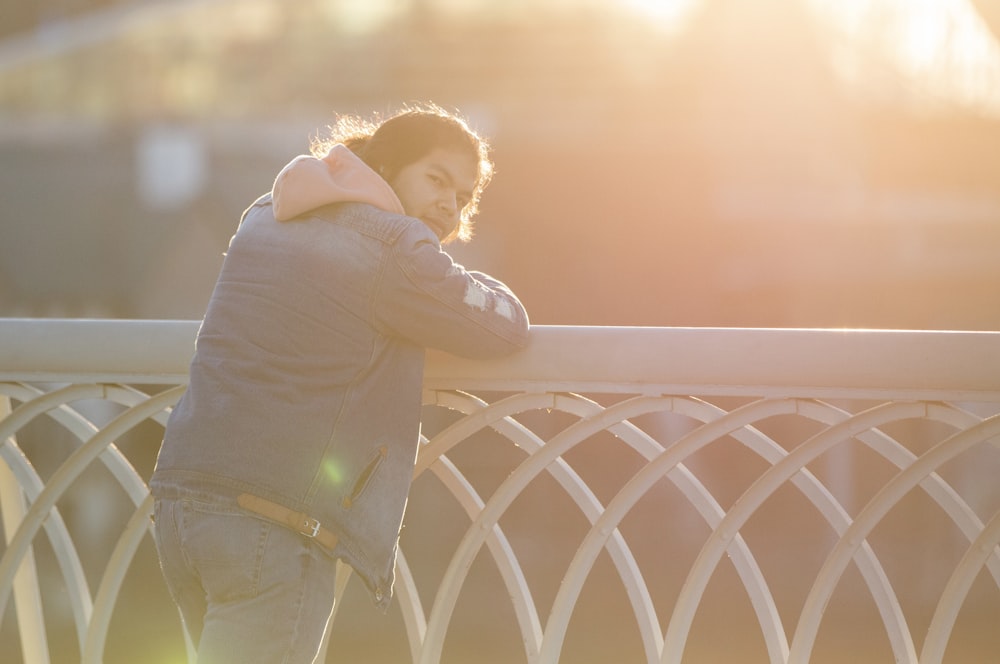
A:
x,y
443,170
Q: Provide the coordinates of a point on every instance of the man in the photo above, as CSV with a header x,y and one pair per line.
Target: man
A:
x,y
295,443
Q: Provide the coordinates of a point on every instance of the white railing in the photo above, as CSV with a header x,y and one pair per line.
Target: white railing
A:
x,y
662,495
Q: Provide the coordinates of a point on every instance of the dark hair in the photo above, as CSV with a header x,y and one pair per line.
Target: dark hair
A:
x,y
408,136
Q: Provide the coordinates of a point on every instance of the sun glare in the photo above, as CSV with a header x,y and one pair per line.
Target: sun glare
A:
x,y
360,17
667,13
941,48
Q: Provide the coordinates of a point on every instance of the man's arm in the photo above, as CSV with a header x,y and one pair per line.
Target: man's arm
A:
x,y
429,299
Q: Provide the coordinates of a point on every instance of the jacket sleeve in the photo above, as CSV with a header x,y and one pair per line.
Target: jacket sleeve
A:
x,y
426,297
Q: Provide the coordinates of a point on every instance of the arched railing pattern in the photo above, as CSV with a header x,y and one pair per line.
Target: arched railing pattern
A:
x,y
668,465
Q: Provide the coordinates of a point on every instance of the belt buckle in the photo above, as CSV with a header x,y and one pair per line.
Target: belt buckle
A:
x,y
310,527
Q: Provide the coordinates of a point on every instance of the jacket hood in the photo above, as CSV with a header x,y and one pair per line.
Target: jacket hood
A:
x,y
307,183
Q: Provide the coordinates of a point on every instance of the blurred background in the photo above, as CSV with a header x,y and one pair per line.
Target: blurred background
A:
x,y
758,163
775,163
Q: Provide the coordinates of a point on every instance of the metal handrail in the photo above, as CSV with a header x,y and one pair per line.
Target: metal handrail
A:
x,y
848,384
824,363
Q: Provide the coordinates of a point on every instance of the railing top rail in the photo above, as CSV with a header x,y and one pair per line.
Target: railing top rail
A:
x,y
824,363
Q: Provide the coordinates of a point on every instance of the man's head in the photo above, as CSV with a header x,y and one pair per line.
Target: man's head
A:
x,y
411,137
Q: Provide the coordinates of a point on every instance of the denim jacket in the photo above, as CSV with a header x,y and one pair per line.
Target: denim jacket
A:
x,y
305,387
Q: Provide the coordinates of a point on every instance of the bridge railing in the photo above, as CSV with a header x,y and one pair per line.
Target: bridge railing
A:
x,y
607,495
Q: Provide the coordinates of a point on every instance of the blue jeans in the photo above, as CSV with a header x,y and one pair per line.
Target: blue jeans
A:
x,y
248,590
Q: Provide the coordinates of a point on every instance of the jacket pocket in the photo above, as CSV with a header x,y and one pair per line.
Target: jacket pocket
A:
x,y
365,478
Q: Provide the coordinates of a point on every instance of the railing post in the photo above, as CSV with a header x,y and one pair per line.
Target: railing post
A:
x,y
27,596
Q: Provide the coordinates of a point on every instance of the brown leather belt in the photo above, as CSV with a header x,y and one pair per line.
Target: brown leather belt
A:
x,y
300,522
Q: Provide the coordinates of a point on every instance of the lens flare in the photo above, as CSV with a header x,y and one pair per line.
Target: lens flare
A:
x,y
333,472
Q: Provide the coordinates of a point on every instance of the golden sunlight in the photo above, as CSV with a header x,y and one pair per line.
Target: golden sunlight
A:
x,y
942,49
670,14
360,17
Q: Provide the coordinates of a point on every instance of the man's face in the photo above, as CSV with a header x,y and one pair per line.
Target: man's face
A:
x,y
436,188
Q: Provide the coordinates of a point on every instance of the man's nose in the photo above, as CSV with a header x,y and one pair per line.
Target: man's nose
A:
x,y
449,201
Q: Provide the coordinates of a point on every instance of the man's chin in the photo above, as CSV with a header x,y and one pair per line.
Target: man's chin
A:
x,y
437,229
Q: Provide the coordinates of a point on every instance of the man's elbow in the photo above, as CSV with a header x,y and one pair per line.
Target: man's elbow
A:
x,y
517,339
501,344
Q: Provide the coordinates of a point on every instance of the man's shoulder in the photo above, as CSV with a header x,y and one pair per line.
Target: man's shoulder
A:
x,y
382,225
